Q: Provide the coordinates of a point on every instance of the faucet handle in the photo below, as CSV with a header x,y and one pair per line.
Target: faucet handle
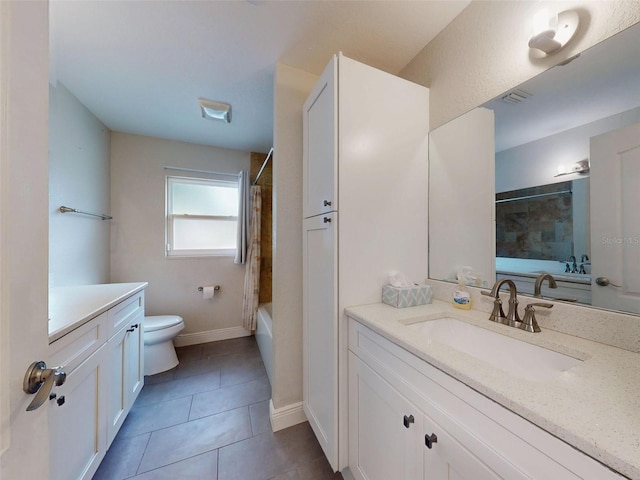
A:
x,y
529,322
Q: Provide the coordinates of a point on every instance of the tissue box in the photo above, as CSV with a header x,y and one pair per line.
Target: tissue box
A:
x,y
401,297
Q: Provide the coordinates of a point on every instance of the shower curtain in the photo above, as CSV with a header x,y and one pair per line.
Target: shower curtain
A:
x,y
252,272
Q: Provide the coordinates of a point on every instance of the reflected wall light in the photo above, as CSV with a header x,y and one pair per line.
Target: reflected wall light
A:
x,y
215,110
552,32
579,167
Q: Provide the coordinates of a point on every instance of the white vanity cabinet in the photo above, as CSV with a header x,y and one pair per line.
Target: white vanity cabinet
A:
x,y
471,436
103,360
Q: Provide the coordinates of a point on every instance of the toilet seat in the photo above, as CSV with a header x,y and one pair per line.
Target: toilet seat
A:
x,y
159,322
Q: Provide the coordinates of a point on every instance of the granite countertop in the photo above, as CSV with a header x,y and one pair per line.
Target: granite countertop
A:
x,y
594,406
71,307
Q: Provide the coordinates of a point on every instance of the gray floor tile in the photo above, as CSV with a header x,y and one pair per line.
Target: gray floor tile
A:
x,y
243,345
146,418
160,377
240,369
162,392
228,398
260,421
269,454
186,440
123,458
318,469
197,367
200,467
189,353
229,435
290,475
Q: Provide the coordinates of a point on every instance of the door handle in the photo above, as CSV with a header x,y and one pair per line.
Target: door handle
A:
x,y
40,380
604,282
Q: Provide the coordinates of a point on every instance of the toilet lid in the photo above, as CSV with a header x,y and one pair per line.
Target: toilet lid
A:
x,y
159,322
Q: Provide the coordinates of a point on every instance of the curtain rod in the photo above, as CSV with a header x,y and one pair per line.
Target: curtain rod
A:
x,y
526,197
264,164
180,169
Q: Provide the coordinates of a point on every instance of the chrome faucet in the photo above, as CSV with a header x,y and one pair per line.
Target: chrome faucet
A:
x,y
512,318
574,265
584,258
539,280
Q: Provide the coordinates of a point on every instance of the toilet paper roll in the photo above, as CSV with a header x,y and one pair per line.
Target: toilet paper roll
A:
x,y
208,292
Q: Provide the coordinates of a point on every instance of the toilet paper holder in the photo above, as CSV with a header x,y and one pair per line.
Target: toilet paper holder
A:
x,y
216,288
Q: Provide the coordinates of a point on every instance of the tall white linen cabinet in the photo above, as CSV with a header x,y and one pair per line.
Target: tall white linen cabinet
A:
x,y
365,180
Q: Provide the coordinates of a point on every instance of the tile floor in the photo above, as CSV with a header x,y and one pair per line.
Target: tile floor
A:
x,y
208,419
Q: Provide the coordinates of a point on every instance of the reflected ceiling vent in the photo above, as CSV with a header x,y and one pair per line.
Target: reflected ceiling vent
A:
x,y
515,96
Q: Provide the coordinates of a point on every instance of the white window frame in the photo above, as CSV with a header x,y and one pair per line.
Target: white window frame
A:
x,y
169,217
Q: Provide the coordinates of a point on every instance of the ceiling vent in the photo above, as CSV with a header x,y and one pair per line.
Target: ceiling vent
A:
x,y
515,96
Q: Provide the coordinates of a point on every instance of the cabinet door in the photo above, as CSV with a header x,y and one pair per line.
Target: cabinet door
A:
x,y
320,331
448,459
320,145
77,420
116,402
134,358
385,429
126,373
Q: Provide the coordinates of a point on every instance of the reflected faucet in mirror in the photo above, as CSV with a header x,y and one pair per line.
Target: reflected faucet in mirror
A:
x,y
538,285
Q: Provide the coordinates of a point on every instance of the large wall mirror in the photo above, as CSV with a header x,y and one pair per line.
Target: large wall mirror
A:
x,y
565,194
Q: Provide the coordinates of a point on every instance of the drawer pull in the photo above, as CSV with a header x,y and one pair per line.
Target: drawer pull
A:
x,y
327,203
408,421
327,219
429,440
60,400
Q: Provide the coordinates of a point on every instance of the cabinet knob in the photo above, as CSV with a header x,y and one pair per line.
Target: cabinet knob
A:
x,y
327,219
429,440
60,401
135,325
327,203
408,421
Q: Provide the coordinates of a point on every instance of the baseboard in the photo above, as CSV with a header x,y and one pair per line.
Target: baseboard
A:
x,y
347,475
286,416
210,336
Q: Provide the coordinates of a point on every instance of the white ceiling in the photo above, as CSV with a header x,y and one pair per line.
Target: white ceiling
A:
x,y
140,66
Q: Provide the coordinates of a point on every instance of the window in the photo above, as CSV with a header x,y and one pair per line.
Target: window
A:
x,y
202,216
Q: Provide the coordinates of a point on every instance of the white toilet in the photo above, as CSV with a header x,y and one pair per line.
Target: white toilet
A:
x,y
159,352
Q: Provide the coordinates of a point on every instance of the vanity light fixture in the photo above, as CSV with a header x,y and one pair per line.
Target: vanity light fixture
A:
x,y
579,167
212,110
552,32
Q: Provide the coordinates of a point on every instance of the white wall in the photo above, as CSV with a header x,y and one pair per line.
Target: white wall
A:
x,y
138,236
78,178
291,88
483,52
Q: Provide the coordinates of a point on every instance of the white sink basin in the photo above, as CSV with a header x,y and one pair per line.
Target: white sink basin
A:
x,y
514,356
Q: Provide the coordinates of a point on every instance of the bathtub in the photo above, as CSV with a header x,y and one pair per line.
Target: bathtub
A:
x,y
264,337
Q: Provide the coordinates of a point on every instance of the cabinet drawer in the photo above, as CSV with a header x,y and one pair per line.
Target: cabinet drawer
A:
x,y
75,347
508,444
121,314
